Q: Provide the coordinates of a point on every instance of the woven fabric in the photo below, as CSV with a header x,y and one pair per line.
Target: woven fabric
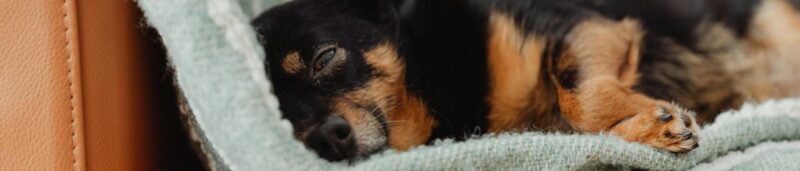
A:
x,y
217,63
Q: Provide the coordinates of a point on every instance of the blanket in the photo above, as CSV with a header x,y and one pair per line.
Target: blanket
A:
x,y
235,120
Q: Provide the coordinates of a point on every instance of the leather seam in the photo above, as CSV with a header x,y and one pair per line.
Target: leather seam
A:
x,y
65,8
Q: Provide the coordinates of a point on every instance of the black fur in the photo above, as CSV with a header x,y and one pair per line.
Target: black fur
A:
x,y
678,19
795,3
443,44
445,61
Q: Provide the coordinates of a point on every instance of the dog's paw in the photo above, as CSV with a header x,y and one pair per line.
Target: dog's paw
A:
x,y
664,126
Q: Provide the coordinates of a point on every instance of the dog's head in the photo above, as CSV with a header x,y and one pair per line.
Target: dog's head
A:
x,y
336,72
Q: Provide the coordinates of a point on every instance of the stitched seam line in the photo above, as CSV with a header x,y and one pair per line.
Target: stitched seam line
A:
x,y
69,80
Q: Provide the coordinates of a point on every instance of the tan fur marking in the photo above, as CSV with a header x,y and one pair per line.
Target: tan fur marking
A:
x,y
514,73
366,128
292,63
775,38
406,115
409,124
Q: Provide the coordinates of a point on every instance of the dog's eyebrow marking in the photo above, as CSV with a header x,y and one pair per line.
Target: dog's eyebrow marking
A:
x,y
292,63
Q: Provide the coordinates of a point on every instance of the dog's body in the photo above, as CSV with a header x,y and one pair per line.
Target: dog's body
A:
x,y
357,76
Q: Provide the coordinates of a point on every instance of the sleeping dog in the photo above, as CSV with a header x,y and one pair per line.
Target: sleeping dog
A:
x,y
355,77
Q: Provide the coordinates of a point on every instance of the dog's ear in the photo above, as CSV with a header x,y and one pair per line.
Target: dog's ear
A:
x,y
628,72
600,47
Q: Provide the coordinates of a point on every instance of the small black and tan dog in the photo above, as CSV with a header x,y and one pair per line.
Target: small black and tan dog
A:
x,y
358,76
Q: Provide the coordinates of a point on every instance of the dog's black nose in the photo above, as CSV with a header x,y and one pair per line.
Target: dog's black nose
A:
x,y
333,140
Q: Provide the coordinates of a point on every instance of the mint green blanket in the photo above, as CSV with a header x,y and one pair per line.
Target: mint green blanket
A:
x,y
234,116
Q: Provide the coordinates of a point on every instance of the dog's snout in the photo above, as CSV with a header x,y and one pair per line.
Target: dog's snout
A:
x,y
338,130
333,139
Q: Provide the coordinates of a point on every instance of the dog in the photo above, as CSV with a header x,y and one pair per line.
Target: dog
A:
x,y
355,77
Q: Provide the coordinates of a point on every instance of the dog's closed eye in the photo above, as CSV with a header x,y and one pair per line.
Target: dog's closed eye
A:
x,y
326,61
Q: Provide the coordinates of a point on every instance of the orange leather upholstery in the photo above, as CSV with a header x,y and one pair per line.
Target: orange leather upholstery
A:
x,y
114,87
40,88
76,89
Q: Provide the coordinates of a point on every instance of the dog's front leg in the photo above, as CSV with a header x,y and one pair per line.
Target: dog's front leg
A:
x,y
594,78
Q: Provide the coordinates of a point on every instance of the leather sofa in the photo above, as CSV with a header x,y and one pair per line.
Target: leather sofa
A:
x,y
83,86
